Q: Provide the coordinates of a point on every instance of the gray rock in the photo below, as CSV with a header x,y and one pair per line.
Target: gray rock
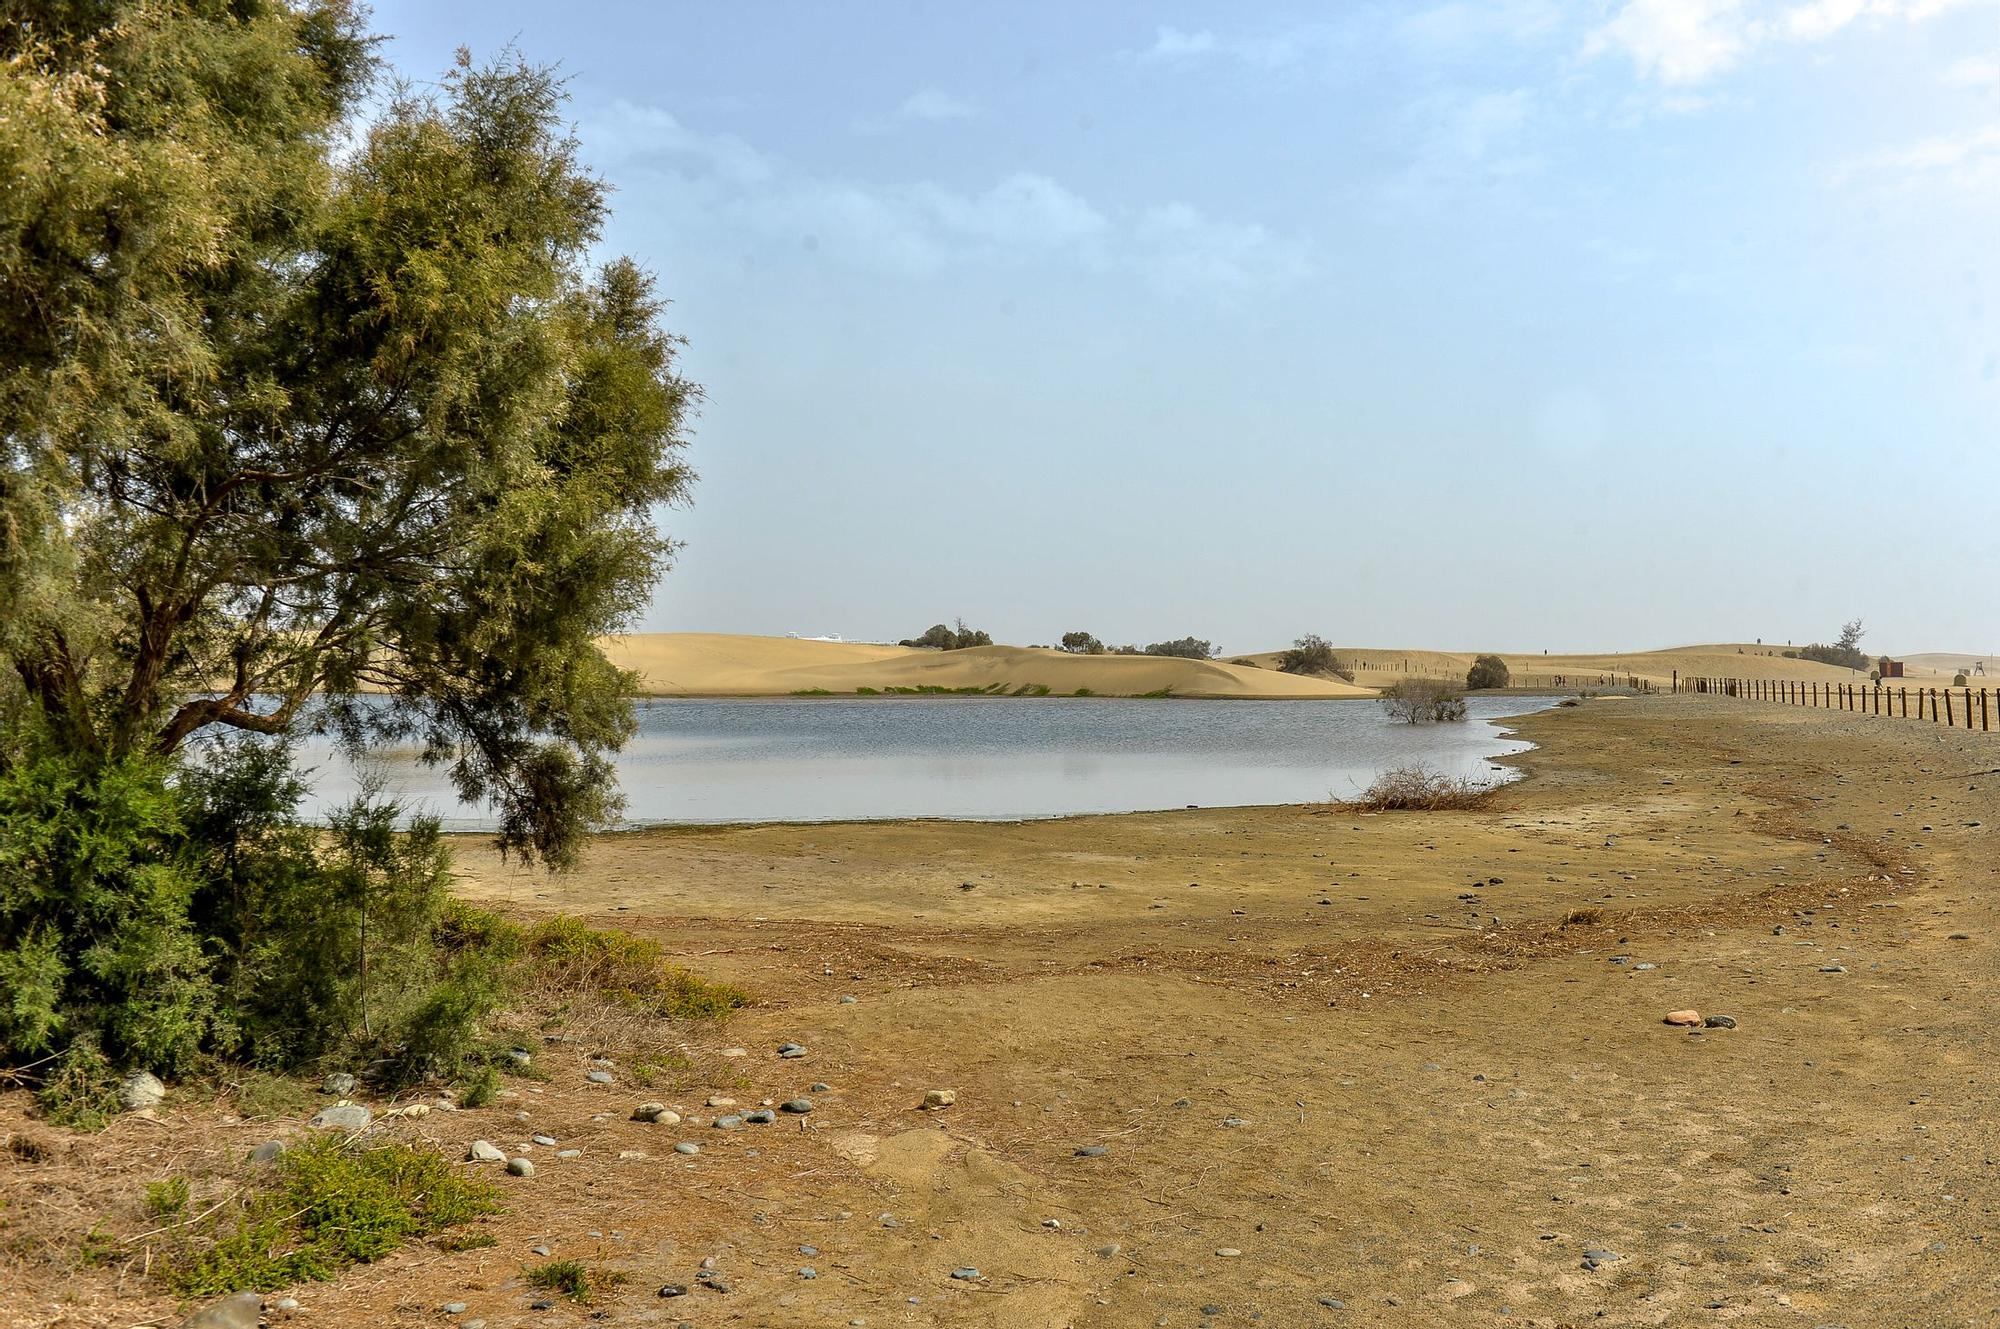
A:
x,y
966,1274
340,1084
1092,1151
790,1051
520,1056
285,1305
342,1117
542,1251
819,1088
728,1121
1833,969
599,1077
798,1107
1234,1122
484,1151
239,1310
761,1117
690,1150
1333,1303
848,1001
807,1271
267,1152
569,1153
453,1308
520,1167
673,1290
1720,1022
139,1090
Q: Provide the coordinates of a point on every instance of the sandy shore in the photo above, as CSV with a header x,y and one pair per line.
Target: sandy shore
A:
x,y
1328,1058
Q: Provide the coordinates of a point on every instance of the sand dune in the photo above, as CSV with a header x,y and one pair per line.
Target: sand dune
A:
x,y
703,664
719,665
1376,667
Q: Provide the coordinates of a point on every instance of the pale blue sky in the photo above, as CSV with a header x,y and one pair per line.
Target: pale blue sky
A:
x,y
1510,324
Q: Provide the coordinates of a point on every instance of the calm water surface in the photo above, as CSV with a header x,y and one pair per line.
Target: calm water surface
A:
x,y
986,759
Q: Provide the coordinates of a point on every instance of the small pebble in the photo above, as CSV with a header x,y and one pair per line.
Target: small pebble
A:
x,y
966,1274
685,1148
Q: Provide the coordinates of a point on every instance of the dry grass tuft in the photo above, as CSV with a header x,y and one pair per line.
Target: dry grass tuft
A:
x,y
1581,918
1419,788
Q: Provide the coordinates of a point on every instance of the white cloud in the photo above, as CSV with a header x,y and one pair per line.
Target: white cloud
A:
x,y
1974,71
718,186
1182,251
935,104
1684,42
1275,50
1171,45
1967,161
1675,41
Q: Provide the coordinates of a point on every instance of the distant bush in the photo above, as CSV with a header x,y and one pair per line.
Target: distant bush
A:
x,y
1420,788
938,637
1311,654
1416,700
1488,671
1082,643
1845,651
1958,680
1186,648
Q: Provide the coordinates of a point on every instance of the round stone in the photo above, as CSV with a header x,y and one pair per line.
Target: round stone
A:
x,y
520,1167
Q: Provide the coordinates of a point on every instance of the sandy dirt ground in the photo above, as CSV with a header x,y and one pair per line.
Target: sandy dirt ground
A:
x,y
1285,1066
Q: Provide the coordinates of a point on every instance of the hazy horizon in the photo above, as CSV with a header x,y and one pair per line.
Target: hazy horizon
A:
x,y
1512,326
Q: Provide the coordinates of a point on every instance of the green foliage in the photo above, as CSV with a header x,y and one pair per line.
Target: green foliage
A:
x,y
94,895
328,1206
1845,651
82,1091
310,386
482,1088
1184,648
1488,671
941,638
1082,643
572,1279
1311,654
569,956
167,1198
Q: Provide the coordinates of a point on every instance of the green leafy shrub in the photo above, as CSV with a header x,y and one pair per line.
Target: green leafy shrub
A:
x,y
81,1092
1488,671
327,1207
95,939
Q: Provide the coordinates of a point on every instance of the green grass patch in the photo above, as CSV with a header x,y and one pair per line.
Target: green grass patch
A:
x,y
168,1198
327,1207
866,692
632,971
572,1279
1156,694
262,1097
811,692
1083,692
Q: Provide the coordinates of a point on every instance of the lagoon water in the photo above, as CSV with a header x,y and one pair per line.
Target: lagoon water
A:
x,y
985,759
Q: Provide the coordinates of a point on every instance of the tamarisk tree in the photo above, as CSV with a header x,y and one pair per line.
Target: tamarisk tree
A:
x,y
311,387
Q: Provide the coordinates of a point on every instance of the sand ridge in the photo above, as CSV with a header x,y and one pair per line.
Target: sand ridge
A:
x,y
695,664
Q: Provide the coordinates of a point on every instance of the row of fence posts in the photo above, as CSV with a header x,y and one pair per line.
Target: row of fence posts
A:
x,y
1952,707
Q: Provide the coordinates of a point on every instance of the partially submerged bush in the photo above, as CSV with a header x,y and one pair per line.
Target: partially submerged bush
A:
x,y
1488,671
328,1205
1416,700
1420,788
